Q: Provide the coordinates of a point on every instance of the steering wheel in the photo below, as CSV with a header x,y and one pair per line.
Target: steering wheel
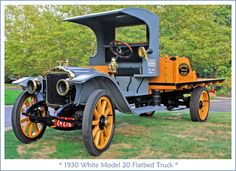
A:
x,y
117,49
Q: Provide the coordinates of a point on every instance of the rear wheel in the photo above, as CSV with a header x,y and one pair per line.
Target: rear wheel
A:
x,y
24,129
98,122
199,104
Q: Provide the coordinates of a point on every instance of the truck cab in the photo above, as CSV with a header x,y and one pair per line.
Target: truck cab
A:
x,y
133,71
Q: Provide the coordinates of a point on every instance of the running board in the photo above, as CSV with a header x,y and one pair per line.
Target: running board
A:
x,y
145,109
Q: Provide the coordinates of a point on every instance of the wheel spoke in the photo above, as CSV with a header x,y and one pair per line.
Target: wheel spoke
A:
x,y
95,131
108,111
22,109
26,126
204,96
109,120
24,119
104,105
106,132
36,129
96,122
32,100
26,103
97,137
201,97
30,130
95,112
204,107
99,107
101,138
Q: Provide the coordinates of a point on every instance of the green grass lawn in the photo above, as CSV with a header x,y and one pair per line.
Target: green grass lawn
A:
x,y
165,135
11,95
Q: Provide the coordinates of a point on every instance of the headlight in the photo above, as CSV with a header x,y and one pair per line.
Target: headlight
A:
x,y
63,87
33,86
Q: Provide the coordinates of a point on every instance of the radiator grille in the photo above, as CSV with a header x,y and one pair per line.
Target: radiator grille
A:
x,y
52,97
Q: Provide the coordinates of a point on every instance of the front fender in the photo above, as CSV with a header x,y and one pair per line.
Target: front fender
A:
x,y
23,81
87,83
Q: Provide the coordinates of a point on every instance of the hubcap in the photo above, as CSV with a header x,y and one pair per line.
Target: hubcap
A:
x,y
200,104
102,123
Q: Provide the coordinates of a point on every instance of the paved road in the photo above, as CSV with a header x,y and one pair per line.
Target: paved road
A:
x,y
217,105
221,104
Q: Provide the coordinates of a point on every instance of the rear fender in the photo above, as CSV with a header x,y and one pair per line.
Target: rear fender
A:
x,y
86,84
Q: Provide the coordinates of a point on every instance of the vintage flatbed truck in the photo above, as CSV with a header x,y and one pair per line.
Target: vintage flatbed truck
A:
x,y
130,78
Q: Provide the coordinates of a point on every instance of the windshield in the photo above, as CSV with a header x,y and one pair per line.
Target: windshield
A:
x,y
132,34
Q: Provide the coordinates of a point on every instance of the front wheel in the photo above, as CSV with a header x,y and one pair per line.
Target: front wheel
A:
x,y
98,122
24,129
199,104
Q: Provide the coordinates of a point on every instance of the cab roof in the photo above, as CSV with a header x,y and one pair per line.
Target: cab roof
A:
x,y
117,18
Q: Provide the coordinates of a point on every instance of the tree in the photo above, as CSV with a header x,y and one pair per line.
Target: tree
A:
x,y
36,37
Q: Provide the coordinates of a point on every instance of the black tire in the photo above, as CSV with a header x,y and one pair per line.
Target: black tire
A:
x,y
199,108
16,118
87,126
148,114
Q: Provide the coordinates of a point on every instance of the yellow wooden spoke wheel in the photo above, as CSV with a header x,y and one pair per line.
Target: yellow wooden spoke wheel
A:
x,y
98,122
102,122
30,129
24,129
203,105
199,104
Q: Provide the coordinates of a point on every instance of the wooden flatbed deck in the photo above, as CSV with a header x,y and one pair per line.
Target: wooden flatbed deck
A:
x,y
200,82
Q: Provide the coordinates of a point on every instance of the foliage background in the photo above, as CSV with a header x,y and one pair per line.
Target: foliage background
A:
x,y
36,37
